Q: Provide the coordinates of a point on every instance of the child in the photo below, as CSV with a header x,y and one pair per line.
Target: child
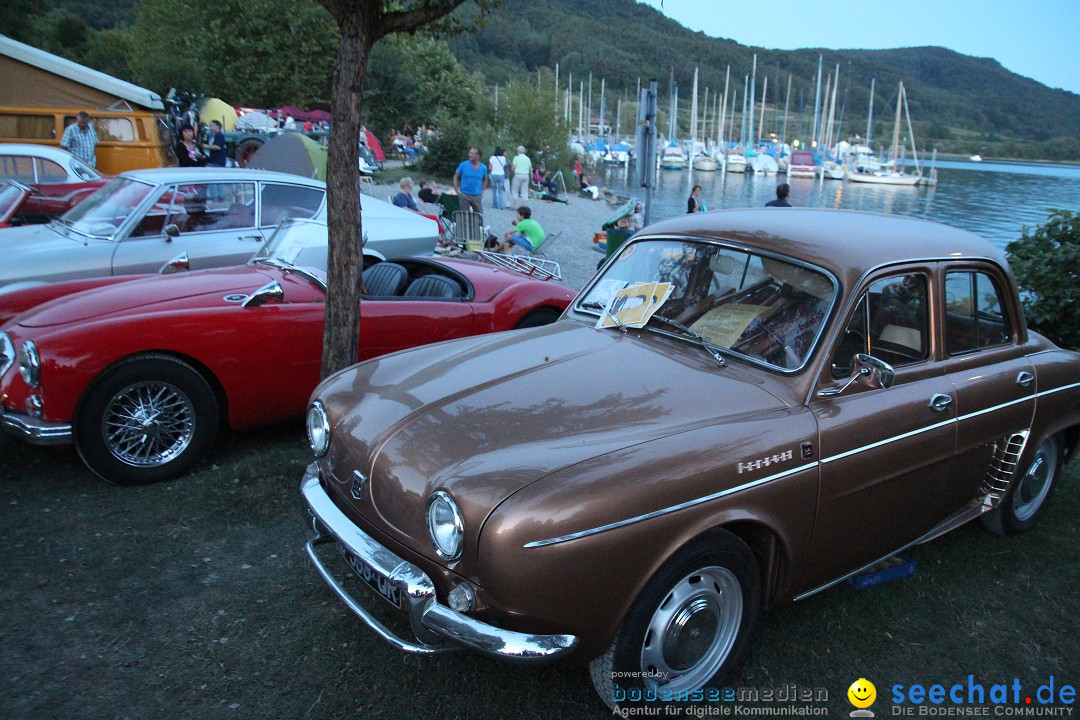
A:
x,y
527,232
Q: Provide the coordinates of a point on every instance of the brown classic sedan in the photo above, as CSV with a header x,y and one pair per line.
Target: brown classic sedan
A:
x,y
742,409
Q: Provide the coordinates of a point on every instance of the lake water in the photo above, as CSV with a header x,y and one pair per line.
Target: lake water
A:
x,y
992,199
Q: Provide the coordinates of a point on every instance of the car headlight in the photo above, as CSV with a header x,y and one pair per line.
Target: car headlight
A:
x,y
445,526
30,364
7,353
318,429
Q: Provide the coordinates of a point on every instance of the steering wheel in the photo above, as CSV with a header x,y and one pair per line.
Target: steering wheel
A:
x,y
757,325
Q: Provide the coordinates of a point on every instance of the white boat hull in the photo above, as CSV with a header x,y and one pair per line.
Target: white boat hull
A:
x,y
736,164
808,171
705,164
884,178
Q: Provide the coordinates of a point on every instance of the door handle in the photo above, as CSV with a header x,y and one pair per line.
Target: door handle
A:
x,y
1024,379
250,237
939,402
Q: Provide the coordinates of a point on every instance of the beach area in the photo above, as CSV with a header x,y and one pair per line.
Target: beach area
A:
x,y
577,221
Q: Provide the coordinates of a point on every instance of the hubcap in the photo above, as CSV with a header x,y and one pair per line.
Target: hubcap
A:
x,y
692,631
148,423
1035,484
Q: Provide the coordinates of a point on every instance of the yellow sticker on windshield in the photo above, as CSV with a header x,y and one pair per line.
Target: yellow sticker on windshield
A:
x,y
633,306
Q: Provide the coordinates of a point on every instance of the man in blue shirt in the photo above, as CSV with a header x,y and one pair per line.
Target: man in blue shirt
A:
x,y
215,149
470,179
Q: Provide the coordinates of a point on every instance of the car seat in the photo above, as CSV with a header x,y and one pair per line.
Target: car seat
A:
x,y
434,286
385,279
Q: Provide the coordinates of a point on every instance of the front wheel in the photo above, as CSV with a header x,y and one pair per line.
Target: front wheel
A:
x,y
688,627
147,419
1026,499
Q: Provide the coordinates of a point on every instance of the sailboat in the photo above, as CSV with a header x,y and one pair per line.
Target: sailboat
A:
x,y
890,173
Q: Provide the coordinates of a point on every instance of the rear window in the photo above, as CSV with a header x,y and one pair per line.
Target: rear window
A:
x,y
286,201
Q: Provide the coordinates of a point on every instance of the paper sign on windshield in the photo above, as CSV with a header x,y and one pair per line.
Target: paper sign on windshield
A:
x,y
633,306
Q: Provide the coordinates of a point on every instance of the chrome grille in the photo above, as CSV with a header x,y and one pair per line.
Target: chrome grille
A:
x,y
7,353
999,476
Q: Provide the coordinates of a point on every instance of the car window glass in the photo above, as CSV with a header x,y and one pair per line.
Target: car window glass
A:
x,y
84,171
766,309
154,221
106,210
50,172
19,168
974,315
211,207
29,127
285,201
891,322
109,129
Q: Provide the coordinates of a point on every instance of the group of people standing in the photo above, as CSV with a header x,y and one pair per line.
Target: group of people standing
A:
x,y
472,177
210,153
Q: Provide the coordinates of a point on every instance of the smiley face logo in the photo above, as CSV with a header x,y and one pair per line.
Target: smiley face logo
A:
x,y
862,693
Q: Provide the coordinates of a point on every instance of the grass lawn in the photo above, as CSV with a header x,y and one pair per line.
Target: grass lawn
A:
x,y
195,599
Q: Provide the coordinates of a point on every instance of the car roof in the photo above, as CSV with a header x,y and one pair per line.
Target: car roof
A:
x,y
46,151
196,174
848,242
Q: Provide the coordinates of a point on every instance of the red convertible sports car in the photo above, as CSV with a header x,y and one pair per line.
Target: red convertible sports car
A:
x,y
140,373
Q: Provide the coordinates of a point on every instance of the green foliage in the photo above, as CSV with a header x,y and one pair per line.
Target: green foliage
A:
x,y
1046,263
446,151
411,81
250,52
529,117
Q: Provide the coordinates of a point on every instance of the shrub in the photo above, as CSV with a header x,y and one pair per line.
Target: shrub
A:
x,y
1046,263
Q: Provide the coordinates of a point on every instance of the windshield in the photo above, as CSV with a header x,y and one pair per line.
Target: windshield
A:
x,y
765,309
298,242
105,211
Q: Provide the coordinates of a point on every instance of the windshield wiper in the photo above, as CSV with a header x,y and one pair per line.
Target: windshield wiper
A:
x,y
283,264
705,344
594,305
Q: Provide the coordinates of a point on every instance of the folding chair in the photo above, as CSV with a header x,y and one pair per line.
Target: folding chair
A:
x,y
469,229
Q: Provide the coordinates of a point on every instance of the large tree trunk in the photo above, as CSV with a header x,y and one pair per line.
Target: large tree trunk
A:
x,y
341,333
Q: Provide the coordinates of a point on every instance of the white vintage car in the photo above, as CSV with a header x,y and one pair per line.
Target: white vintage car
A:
x,y
144,219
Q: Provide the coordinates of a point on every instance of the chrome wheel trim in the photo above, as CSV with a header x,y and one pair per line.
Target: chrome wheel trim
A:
x,y
1035,484
148,423
693,630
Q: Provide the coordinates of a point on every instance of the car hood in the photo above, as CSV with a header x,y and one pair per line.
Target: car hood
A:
x,y
212,286
29,247
483,417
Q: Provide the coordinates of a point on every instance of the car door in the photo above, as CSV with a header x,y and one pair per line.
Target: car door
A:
x,y
213,222
993,380
884,453
396,324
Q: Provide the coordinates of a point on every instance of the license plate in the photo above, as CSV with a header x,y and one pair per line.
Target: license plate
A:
x,y
385,589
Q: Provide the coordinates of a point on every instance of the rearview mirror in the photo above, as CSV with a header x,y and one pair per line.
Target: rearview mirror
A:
x,y
180,262
270,291
869,371
171,230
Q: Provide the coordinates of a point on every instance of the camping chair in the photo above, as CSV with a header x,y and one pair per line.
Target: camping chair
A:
x,y
366,185
538,257
469,229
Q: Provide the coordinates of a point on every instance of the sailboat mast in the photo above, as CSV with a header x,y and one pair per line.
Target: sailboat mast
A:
x,y
723,110
761,120
693,114
896,126
753,88
787,103
817,101
870,116
911,133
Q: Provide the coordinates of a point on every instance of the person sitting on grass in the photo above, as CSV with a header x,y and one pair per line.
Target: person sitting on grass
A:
x,y
527,232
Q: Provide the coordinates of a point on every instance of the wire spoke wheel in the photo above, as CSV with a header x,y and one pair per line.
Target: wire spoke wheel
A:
x,y
148,423
693,629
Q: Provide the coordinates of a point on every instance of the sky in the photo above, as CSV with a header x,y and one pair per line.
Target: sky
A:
x,y
1039,39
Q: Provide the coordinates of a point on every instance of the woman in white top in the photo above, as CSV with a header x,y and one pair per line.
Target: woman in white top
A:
x,y
497,166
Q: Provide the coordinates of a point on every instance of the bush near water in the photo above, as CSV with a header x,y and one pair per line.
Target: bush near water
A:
x,y
1046,263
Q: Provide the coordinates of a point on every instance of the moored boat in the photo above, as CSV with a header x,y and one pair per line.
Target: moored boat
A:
x,y
704,163
802,164
673,158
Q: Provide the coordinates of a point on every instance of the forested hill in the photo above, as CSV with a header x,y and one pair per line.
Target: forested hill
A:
x,y
951,96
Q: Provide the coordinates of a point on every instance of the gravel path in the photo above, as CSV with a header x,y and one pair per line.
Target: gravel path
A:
x,y
578,221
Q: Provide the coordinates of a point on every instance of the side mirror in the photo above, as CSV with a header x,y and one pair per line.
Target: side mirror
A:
x,y
178,263
869,371
872,372
171,230
270,291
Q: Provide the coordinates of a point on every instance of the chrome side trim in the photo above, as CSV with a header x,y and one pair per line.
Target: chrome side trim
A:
x,y
886,441
432,623
1058,389
668,510
998,407
34,430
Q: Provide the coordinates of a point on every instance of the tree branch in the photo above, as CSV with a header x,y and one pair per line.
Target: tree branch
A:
x,y
409,20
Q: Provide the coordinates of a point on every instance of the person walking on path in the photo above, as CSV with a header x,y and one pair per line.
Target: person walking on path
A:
x,y
498,165
81,140
694,203
215,149
470,179
781,200
519,186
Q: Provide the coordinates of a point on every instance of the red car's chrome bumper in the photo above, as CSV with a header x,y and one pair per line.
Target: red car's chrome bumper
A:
x,y
35,430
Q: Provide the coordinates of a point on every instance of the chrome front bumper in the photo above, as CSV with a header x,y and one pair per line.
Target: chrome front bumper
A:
x,y
433,624
34,430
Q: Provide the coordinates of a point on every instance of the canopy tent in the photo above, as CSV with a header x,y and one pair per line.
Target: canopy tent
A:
x,y
215,109
255,121
298,114
375,146
292,153
29,76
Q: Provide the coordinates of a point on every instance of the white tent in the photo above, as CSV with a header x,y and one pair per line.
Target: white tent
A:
x,y
255,121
